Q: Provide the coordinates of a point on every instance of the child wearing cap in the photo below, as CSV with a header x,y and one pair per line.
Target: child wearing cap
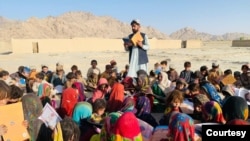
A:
x,y
214,76
172,73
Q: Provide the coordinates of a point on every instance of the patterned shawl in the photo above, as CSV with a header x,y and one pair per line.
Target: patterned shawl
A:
x,y
32,108
212,92
235,108
213,112
144,84
128,105
181,127
108,127
44,90
142,105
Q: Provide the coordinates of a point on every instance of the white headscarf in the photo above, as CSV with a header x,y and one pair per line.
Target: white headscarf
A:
x,y
165,84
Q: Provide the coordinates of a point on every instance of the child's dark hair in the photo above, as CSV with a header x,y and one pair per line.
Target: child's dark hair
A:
x,y
40,76
15,92
93,61
175,94
152,73
244,67
74,67
194,87
4,90
228,72
21,69
126,66
99,104
70,130
237,74
164,62
187,64
70,76
3,73
78,72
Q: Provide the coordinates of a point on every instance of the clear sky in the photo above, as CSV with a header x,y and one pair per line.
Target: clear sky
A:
x,y
210,16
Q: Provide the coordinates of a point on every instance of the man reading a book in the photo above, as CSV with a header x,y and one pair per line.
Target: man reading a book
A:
x,y
137,46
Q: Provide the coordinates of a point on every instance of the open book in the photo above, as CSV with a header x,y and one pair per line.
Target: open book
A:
x,y
49,116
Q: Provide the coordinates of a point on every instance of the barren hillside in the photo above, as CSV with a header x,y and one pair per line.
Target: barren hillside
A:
x,y
70,25
190,33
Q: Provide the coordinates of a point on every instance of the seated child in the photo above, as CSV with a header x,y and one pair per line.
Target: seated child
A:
x,y
16,94
194,89
173,105
99,107
182,85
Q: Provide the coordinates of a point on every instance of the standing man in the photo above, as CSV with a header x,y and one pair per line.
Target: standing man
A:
x,y
137,47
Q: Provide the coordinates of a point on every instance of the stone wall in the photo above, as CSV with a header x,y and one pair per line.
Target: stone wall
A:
x,y
241,43
81,44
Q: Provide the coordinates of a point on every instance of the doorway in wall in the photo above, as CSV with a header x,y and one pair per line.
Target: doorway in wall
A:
x,y
35,47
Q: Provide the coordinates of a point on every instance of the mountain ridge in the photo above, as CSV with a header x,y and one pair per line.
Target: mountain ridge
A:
x,y
80,24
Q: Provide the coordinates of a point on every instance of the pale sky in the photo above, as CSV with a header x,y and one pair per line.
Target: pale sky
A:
x,y
210,16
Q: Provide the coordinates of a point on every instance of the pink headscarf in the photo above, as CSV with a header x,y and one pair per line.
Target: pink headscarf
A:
x,y
98,93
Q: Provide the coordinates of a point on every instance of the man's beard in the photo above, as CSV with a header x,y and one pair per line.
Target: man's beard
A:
x,y
134,31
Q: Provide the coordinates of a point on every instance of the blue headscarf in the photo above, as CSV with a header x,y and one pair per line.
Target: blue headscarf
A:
x,y
82,110
212,92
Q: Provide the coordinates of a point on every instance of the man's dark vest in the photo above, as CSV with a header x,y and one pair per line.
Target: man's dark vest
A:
x,y
143,57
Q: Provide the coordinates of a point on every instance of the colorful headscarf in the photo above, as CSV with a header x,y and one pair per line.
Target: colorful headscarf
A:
x,y
69,99
79,86
128,105
32,108
127,128
142,105
200,99
181,127
235,108
145,86
213,112
116,98
212,92
238,122
108,127
82,110
129,82
44,90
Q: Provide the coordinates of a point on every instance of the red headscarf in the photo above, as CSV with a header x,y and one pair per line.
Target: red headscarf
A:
x,y
69,99
238,122
116,98
127,128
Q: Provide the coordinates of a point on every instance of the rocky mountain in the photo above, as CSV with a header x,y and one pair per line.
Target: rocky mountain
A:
x,y
190,33
70,25
84,24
